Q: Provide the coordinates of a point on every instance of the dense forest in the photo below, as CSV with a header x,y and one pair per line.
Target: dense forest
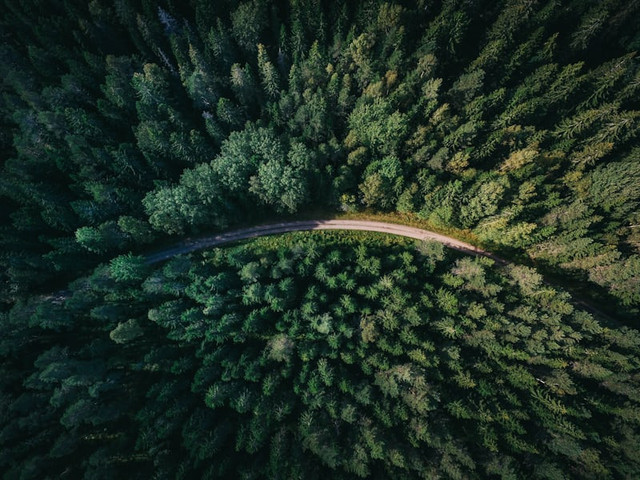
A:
x,y
129,124
128,120
320,356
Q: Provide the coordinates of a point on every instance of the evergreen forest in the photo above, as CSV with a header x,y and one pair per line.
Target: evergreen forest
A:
x,y
127,126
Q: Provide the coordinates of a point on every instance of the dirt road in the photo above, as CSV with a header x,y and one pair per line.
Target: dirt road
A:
x,y
187,246
192,245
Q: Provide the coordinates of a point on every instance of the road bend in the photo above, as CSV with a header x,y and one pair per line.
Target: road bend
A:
x,y
188,246
193,245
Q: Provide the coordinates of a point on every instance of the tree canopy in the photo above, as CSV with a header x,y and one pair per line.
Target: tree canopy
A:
x,y
326,354
126,125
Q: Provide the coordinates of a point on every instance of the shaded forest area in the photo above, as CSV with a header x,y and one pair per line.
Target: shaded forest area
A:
x,y
129,120
325,355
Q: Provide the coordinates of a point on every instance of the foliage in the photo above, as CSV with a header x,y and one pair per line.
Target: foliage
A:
x,y
338,355
124,123
484,116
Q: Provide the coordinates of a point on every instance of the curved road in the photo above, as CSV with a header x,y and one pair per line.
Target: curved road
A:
x,y
187,246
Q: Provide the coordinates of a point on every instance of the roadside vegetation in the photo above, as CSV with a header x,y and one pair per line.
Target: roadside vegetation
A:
x,y
516,121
